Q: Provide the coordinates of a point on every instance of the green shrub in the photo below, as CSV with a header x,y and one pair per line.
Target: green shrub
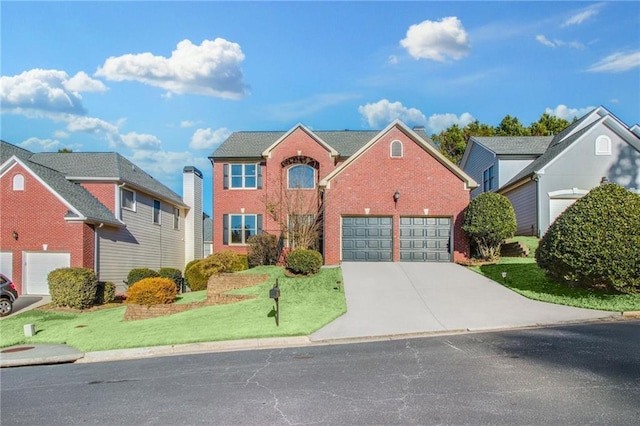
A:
x,y
596,241
152,291
263,250
73,287
304,261
138,274
105,293
173,274
488,221
196,279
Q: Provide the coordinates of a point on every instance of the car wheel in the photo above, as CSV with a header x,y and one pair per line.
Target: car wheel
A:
x,y
5,307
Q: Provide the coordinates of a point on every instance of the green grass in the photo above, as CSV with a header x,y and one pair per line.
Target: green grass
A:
x,y
306,304
524,277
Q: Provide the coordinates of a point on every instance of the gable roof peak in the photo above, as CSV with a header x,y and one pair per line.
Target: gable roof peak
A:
x,y
267,152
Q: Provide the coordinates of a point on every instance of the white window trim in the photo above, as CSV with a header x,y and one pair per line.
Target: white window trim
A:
x,y
230,236
153,213
132,209
301,189
176,218
393,142
18,182
244,175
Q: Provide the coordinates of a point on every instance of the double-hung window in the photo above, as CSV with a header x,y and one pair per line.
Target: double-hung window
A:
x,y
244,176
176,218
239,227
488,180
156,212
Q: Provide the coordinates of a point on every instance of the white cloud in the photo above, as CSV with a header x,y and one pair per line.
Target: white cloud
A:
x,y
306,107
439,122
60,134
393,59
583,15
558,43
211,69
187,123
617,62
168,164
39,145
135,140
46,91
208,138
437,40
383,112
563,111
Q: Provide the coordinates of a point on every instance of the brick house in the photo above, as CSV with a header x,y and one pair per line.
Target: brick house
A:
x,y
92,210
376,195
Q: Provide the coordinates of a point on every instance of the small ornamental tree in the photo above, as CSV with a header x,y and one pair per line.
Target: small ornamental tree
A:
x,y
596,241
488,221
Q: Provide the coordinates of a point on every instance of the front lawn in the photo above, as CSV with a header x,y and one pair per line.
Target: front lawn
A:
x,y
306,304
524,277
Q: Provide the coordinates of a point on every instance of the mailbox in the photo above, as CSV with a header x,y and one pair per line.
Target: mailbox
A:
x,y
274,293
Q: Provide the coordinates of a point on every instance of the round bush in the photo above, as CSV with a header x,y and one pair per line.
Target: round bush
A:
x,y
304,261
138,274
596,241
173,274
488,221
73,287
152,291
196,279
263,250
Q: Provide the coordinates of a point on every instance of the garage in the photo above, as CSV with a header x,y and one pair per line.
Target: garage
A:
x,y
37,266
367,239
6,264
557,206
425,239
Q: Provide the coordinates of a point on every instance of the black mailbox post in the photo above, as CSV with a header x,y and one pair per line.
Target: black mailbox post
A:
x,y
274,294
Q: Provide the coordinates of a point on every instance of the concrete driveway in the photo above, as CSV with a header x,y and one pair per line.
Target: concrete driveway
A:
x,y
385,299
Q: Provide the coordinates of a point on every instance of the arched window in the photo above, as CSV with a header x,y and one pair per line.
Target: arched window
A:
x,y
603,145
396,149
302,177
18,182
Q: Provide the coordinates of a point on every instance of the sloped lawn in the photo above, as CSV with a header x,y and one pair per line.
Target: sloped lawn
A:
x,y
306,304
524,277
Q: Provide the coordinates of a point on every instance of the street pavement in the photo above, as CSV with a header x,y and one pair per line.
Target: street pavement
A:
x,y
384,301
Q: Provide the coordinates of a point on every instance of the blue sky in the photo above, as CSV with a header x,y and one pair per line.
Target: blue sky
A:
x,y
164,83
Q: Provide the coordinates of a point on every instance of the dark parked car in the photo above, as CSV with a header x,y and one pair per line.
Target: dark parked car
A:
x,y
8,295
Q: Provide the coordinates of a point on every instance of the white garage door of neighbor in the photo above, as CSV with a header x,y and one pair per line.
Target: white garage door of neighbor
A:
x,y
38,265
557,206
6,264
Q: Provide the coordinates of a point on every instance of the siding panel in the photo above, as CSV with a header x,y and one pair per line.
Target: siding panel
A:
x,y
523,200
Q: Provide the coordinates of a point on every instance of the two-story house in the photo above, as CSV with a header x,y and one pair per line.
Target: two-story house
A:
x,y
92,210
542,176
384,195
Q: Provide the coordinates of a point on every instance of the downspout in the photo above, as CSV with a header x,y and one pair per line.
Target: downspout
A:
x,y
96,252
536,178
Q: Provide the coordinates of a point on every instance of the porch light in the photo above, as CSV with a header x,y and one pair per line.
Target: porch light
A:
x,y
396,196
14,234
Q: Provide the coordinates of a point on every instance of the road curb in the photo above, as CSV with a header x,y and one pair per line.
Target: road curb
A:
x,y
631,314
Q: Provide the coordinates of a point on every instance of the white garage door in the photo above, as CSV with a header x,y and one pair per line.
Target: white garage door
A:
x,y
6,264
557,206
36,268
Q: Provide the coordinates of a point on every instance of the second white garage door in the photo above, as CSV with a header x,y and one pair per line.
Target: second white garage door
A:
x,y
37,266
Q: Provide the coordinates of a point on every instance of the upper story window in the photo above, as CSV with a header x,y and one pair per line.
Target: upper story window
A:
x,y
242,176
156,212
301,177
176,218
603,145
488,180
18,182
128,199
396,149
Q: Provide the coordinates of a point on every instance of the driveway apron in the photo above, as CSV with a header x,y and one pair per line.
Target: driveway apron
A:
x,y
385,299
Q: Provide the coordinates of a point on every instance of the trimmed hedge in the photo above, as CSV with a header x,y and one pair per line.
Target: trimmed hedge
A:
x,y
173,274
224,261
138,274
304,261
488,221
196,280
596,241
73,287
105,293
152,291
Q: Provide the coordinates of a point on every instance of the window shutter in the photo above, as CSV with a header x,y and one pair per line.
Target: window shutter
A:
x,y
225,229
260,176
259,224
225,172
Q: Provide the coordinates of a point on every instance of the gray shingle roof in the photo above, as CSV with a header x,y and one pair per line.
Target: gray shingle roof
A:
x,y
109,165
253,144
512,145
552,152
55,168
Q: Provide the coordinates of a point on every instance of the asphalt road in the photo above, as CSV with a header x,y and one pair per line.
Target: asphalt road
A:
x,y
569,375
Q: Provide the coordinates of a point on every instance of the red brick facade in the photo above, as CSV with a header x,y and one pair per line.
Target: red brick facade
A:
x,y
42,223
368,181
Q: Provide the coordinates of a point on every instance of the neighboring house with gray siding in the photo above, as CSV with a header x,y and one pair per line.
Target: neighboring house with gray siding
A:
x,y
542,181
92,210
